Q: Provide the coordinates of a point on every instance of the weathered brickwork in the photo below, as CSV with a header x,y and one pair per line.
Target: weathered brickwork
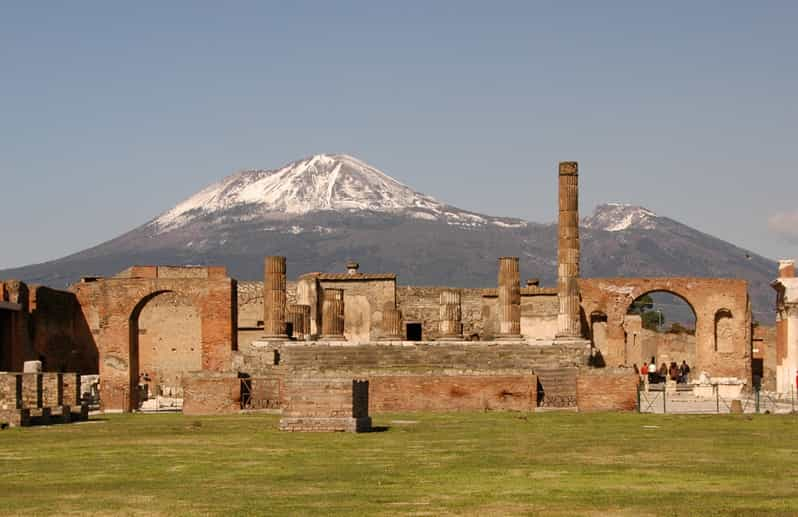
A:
x,y
52,389
325,404
207,393
113,306
37,398
607,389
725,353
452,392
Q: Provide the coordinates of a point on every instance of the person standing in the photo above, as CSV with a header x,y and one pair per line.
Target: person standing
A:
x,y
684,371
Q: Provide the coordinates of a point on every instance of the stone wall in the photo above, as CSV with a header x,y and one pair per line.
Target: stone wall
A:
x,y
464,358
723,344
422,305
60,335
606,389
325,404
206,393
39,323
764,349
113,306
452,392
170,343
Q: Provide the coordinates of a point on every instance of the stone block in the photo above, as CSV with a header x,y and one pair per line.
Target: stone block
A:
x,y
32,367
52,389
325,404
32,390
207,393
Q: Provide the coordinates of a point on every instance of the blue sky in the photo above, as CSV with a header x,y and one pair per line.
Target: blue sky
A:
x,y
111,113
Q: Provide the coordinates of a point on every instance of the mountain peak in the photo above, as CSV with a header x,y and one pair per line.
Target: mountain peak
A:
x,y
320,182
616,217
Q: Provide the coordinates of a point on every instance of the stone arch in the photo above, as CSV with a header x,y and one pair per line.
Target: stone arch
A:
x,y
641,344
724,331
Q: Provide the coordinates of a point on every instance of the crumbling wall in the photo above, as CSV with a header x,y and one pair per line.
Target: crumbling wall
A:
x,y
422,305
708,297
170,342
764,350
60,334
606,389
434,392
112,307
208,393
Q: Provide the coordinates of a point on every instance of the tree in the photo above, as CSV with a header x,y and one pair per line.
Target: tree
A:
x,y
651,318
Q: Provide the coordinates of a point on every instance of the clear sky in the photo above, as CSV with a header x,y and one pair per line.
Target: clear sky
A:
x,y
112,112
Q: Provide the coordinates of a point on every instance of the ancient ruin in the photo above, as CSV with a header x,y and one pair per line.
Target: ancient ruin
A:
x,y
331,348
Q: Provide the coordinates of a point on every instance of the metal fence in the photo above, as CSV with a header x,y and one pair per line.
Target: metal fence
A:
x,y
684,400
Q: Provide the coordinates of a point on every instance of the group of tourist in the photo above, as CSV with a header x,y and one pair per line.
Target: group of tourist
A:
x,y
651,374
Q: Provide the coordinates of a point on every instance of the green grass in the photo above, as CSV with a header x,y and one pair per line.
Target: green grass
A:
x,y
457,463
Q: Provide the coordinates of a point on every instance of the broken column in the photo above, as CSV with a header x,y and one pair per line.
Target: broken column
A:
x,y
391,322
332,315
568,322
298,316
274,298
509,298
786,286
450,315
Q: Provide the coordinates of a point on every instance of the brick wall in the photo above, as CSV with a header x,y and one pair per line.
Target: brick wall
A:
x,y
324,397
206,393
606,389
452,393
52,389
31,390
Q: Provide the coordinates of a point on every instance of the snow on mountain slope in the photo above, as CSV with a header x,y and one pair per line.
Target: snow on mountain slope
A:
x,y
337,182
616,217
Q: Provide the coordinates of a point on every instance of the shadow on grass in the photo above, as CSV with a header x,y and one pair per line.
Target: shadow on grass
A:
x,y
379,429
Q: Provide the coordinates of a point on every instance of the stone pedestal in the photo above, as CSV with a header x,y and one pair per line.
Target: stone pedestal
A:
x,y
568,321
509,299
274,298
391,323
326,405
451,327
332,315
299,318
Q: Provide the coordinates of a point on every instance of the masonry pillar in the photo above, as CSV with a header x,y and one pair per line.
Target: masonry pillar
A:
x,y
568,322
391,322
332,315
298,316
451,315
274,297
509,298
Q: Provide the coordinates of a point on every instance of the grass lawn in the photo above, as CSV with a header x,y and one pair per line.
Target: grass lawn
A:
x,y
423,464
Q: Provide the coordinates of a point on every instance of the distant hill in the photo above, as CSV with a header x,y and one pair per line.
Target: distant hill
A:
x,y
323,210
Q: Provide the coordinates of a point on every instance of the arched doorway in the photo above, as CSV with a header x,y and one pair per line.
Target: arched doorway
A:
x,y
660,325
165,343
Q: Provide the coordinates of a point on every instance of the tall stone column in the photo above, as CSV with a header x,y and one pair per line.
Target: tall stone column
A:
x,y
298,316
332,315
509,298
274,298
391,322
451,315
568,322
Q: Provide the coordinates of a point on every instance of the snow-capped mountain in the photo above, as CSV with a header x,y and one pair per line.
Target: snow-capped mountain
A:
x,y
616,217
321,211
320,183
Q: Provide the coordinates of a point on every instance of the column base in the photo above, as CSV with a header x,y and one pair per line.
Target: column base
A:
x,y
509,337
332,338
453,337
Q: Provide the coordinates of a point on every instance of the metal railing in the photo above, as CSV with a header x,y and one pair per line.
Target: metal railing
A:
x,y
687,401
